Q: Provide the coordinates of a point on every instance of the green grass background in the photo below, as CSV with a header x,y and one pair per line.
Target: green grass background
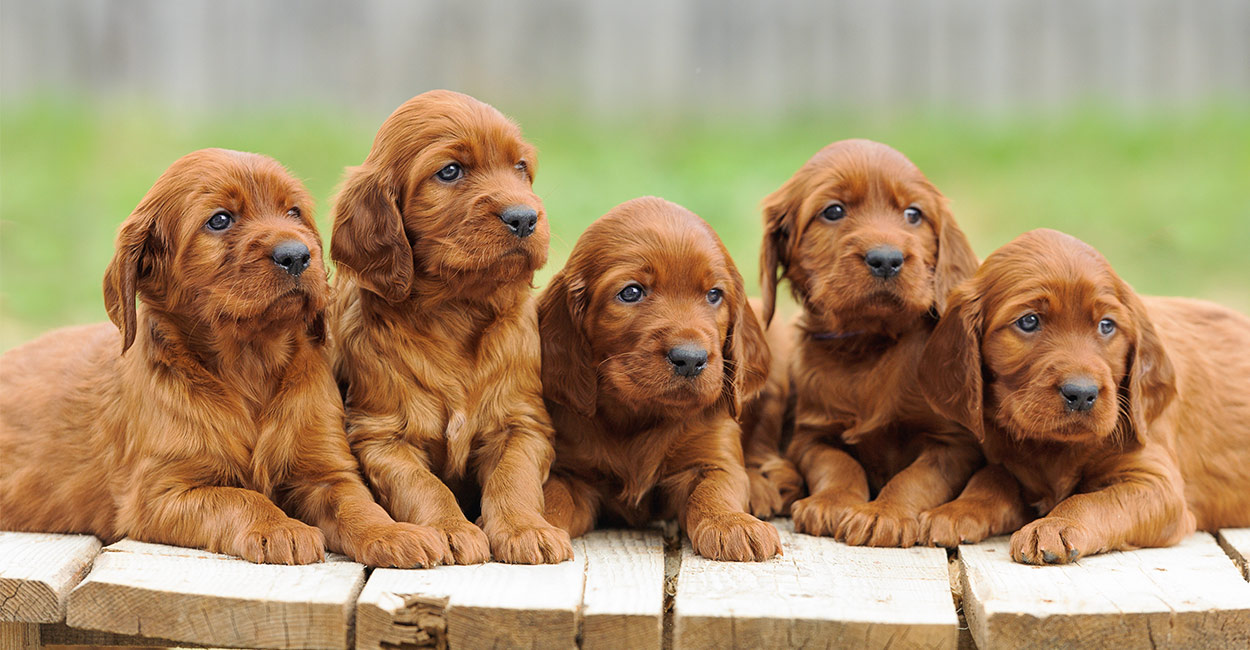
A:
x,y
1165,195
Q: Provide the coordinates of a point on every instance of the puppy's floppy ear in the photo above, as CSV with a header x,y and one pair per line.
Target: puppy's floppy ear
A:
x,y
745,350
780,220
136,245
1150,380
950,366
569,375
368,237
956,260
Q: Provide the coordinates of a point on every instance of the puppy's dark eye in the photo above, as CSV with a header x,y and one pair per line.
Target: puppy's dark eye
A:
x,y
220,220
715,296
632,293
913,215
1106,327
1029,322
294,213
522,167
452,172
834,212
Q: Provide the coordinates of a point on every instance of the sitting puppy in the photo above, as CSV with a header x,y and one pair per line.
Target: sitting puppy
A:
x,y
649,348
211,419
1123,420
435,333
870,251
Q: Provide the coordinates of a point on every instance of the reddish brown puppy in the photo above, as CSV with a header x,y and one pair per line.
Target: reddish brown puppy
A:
x,y
211,420
870,250
1123,420
435,333
649,348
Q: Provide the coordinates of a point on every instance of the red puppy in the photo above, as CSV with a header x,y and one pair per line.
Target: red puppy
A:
x,y
211,419
435,333
870,250
649,348
1123,420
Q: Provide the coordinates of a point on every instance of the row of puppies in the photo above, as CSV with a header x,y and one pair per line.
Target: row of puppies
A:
x,y
636,361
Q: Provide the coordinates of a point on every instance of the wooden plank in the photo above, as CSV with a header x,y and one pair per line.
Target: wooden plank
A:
x,y
19,636
60,634
38,570
205,598
623,600
1236,543
820,593
1189,595
485,605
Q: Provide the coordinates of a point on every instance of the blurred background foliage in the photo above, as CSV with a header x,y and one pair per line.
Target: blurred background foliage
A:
x,y
1161,186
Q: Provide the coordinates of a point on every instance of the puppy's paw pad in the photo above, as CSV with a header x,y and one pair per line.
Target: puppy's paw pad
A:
x,y
877,524
467,542
282,542
1052,540
735,537
820,514
952,524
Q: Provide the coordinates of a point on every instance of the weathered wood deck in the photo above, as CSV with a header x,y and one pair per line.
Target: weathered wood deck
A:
x,y
629,589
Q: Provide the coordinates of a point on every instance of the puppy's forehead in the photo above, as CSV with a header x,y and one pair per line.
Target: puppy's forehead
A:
x,y
237,176
466,126
1051,263
659,237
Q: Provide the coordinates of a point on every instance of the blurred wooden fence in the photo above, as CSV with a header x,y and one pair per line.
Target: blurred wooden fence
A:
x,y
616,56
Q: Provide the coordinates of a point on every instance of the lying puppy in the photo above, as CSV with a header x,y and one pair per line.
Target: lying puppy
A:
x,y
870,250
1123,420
649,348
435,333
211,419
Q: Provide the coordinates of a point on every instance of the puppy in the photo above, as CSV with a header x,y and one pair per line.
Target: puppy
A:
x,y
435,333
649,348
1123,420
211,419
870,250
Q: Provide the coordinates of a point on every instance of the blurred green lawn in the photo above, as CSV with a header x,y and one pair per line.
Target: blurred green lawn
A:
x,y
1166,196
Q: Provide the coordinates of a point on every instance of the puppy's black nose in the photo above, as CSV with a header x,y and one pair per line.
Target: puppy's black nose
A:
x,y
884,261
1079,395
520,219
688,360
292,256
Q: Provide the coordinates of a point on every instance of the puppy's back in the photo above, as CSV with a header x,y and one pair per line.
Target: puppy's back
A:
x,y
1209,347
54,392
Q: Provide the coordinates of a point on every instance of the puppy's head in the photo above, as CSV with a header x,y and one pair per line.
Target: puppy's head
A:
x,y
226,240
866,241
650,314
444,193
1046,342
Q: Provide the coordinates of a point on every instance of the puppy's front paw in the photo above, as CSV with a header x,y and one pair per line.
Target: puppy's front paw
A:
x,y
403,546
960,522
468,543
530,544
1053,540
735,537
878,524
820,514
765,499
284,541
786,478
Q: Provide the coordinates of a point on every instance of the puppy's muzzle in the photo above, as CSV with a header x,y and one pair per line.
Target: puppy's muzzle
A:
x,y
291,256
520,219
687,360
884,261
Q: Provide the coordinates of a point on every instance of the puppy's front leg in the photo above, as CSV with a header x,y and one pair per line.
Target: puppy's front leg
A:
x,y
571,504
892,519
992,504
1138,502
512,472
400,476
170,502
708,490
836,481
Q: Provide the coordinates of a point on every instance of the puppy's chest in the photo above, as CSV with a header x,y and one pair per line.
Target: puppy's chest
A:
x,y
864,399
1046,477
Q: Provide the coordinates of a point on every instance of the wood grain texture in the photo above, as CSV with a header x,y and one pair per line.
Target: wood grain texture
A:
x,y
19,636
204,598
623,600
612,591
1236,542
37,572
1186,596
819,594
